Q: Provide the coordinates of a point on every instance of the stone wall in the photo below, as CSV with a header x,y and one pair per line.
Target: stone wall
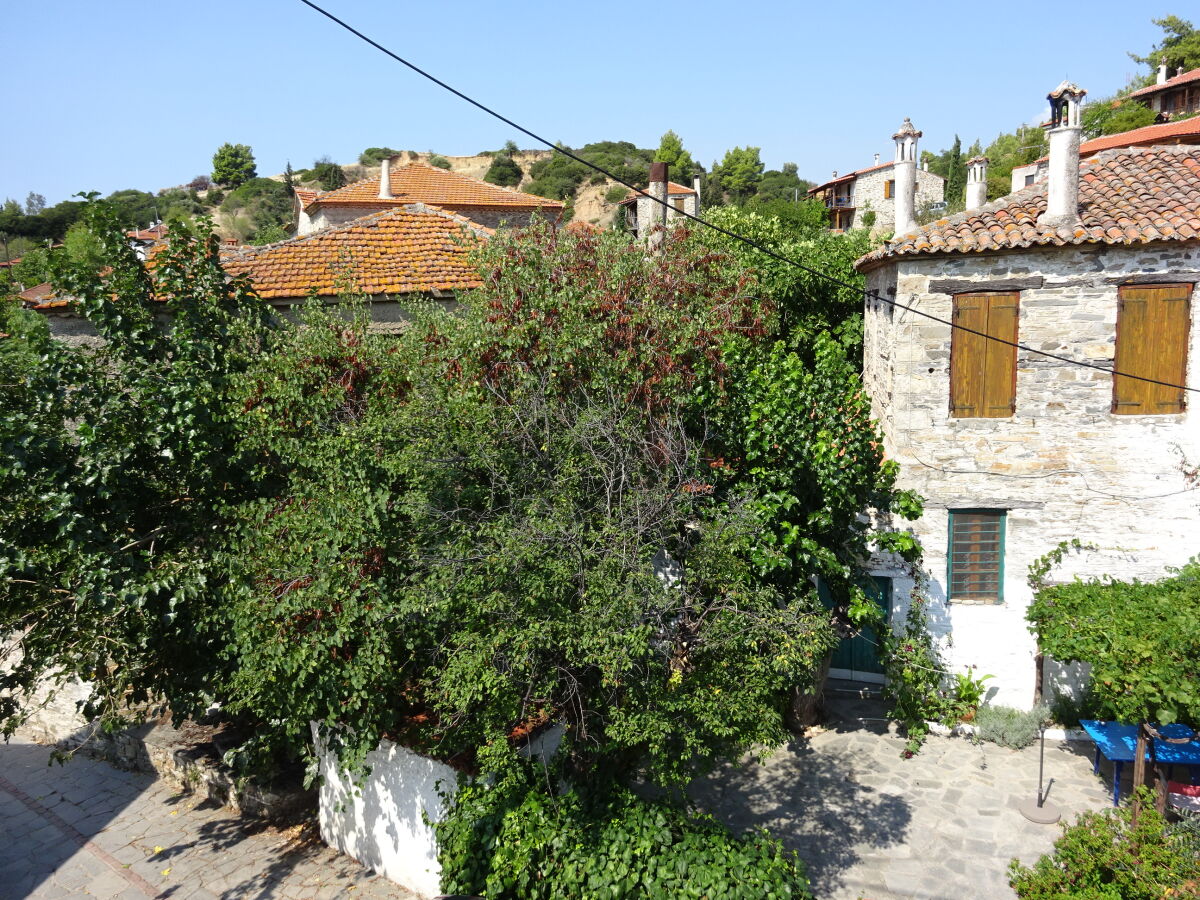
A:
x,y
1063,466
868,190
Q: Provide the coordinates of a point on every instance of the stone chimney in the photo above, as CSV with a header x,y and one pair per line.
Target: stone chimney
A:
x,y
1163,72
977,169
650,212
905,172
385,179
1062,178
876,159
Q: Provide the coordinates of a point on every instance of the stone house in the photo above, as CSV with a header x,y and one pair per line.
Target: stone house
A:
x,y
643,212
874,189
1014,450
484,204
1171,96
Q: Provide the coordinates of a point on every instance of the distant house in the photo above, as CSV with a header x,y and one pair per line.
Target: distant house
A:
x,y
851,196
484,204
642,213
1170,97
1015,451
400,253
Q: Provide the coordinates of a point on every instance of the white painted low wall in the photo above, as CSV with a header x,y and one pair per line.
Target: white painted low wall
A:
x,y
382,823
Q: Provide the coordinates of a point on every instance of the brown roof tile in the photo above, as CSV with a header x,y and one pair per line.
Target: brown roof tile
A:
x,y
1181,78
1133,195
413,249
420,183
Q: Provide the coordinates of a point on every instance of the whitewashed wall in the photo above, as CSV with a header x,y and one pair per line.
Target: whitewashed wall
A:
x,y
1063,466
381,824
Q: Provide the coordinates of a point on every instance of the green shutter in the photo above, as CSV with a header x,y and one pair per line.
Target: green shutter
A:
x,y
975,556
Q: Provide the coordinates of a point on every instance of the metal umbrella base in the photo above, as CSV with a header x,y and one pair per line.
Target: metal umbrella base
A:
x,y
1039,810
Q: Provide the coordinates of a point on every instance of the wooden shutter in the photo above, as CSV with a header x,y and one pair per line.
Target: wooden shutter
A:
x,y
983,372
1153,326
976,555
889,190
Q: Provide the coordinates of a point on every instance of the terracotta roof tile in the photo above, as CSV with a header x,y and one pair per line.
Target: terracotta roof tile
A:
x,y
420,183
1182,78
1184,131
413,249
857,172
41,296
1134,195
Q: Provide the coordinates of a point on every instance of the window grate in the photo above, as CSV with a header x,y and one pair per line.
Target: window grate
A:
x,y
976,556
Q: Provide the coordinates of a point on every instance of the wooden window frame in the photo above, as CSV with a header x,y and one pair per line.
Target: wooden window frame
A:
x,y
889,189
1121,387
1001,516
958,336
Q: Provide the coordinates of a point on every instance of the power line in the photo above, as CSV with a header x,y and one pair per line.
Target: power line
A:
x,y
730,234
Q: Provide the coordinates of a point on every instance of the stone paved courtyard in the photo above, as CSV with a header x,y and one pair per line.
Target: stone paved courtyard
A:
x,y
870,824
89,830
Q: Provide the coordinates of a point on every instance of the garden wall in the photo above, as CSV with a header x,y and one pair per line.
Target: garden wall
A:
x,y
381,822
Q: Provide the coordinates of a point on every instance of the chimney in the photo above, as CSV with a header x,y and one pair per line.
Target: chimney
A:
x,y
876,159
1062,179
1163,71
977,169
385,179
835,173
696,188
905,172
651,213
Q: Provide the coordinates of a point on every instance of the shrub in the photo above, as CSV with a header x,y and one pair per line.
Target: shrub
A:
x,y
1009,727
616,193
436,159
504,171
513,840
373,156
916,684
1103,856
1069,711
328,174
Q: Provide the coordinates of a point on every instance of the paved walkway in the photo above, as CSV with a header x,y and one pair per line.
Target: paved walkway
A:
x,y
88,830
870,824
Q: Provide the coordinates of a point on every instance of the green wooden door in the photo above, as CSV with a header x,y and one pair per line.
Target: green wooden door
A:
x,y
859,655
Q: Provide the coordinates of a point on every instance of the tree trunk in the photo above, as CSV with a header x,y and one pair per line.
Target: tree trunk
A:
x,y
805,707
1139,770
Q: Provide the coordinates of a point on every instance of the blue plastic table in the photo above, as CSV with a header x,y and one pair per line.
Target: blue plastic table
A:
x,y
1118,742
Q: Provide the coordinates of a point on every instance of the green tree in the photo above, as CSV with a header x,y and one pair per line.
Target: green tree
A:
x,y
116,467
260,203
1180,45
1114,116
504,170
233,165
560,177
740,172
671,151
34,204
952,165
373,156
328,174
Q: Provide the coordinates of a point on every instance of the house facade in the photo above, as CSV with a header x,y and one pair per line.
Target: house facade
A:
x,y
484,204
1171,95
1015,451
642,213
851,196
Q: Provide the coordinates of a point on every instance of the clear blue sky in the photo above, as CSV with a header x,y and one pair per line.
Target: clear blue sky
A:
x,y
117,94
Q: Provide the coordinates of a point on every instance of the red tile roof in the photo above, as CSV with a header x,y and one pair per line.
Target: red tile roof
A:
x,y
1135,195
154,233
413,249
420,183
673,190
1182,78
1184,131
41,296
306,196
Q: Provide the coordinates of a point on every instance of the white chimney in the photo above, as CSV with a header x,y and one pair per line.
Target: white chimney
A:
x,y
1163,71
876,159
1062,177
977,169
835,173
905,172
696,187
385,179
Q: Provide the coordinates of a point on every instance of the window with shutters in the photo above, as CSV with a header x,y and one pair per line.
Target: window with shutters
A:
x,y
976,556
1153,325
889,189
983,371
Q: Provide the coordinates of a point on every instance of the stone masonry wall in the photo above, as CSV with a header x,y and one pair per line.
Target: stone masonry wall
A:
x,y
869,188
1063,466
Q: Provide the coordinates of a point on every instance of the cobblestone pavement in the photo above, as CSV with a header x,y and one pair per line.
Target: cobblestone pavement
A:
x,y
88,830
870,824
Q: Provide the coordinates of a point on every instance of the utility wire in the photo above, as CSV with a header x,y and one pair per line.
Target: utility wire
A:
x,y
730,234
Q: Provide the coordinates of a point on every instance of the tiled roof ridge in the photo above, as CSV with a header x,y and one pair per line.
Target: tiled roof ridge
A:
x,y
1174,81
872,168
1122,201
347,195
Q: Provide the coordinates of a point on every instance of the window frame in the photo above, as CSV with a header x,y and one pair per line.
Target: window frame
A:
x,y
889,189
956,359
1002,517
1117,385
